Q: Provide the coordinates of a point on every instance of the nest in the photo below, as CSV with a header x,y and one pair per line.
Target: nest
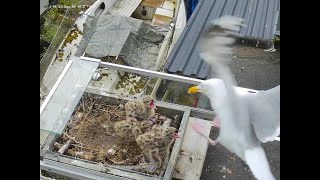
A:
x,y
90,135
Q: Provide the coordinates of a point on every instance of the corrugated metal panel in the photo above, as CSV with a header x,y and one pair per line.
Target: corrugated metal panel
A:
x,y
260,17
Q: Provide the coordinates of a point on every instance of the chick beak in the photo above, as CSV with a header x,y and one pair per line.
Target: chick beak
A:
x,y
152,105
176,136
193,89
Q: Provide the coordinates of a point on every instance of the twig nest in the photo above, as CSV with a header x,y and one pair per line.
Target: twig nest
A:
x,y
79,153
88,156
71,152
111,152
121,106
79,115
162,118
124,153
57,146
137,158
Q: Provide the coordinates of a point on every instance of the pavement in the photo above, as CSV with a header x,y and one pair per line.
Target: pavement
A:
x,y
255,69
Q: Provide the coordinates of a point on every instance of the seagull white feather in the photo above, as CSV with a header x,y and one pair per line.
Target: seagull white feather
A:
x,y
237,132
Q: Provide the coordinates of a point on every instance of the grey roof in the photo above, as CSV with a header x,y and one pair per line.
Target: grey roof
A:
x,y
260,16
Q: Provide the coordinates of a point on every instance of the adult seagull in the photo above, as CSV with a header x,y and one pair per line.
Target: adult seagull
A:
x,y
246,119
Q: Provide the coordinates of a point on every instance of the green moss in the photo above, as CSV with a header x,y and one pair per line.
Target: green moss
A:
x,y
73,35
60,55
126,81
151,85
105,74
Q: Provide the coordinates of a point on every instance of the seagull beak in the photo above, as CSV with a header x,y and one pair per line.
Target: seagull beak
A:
x,y
193,89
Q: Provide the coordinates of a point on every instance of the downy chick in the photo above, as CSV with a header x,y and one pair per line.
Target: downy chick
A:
x,y
124,129
145,126
141,109
154,141
169,134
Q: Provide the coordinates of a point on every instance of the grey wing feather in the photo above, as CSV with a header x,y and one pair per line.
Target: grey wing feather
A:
x,y
215,46
215,49
264,110
263,107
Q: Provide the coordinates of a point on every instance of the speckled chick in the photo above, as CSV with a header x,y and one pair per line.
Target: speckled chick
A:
x,y
140,109
154,141
124,129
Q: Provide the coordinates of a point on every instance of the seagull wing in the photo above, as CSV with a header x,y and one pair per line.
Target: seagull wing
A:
x,y
264,111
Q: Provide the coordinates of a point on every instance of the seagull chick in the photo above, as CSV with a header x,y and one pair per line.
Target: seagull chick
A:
x,y
141,109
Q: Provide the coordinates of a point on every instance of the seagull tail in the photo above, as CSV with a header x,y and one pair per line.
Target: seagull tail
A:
x,y
258,163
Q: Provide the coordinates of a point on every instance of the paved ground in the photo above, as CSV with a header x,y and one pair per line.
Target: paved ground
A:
x,y
256,69
251,70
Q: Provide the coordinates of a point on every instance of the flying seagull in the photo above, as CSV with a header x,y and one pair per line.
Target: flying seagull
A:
x,y
246,120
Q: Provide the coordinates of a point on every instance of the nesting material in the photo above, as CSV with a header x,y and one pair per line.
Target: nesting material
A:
x,y
90,135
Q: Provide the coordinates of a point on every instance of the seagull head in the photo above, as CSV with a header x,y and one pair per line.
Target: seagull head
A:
x,y
210,88
149,102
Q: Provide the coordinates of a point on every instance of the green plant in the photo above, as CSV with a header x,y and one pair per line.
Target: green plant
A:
x,y
68,2
52,15
51,24
48,32
277,39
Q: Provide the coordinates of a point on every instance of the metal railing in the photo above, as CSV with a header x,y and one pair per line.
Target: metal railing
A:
x,y
157,74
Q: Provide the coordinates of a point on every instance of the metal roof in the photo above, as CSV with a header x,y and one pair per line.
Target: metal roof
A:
x,y
260,16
